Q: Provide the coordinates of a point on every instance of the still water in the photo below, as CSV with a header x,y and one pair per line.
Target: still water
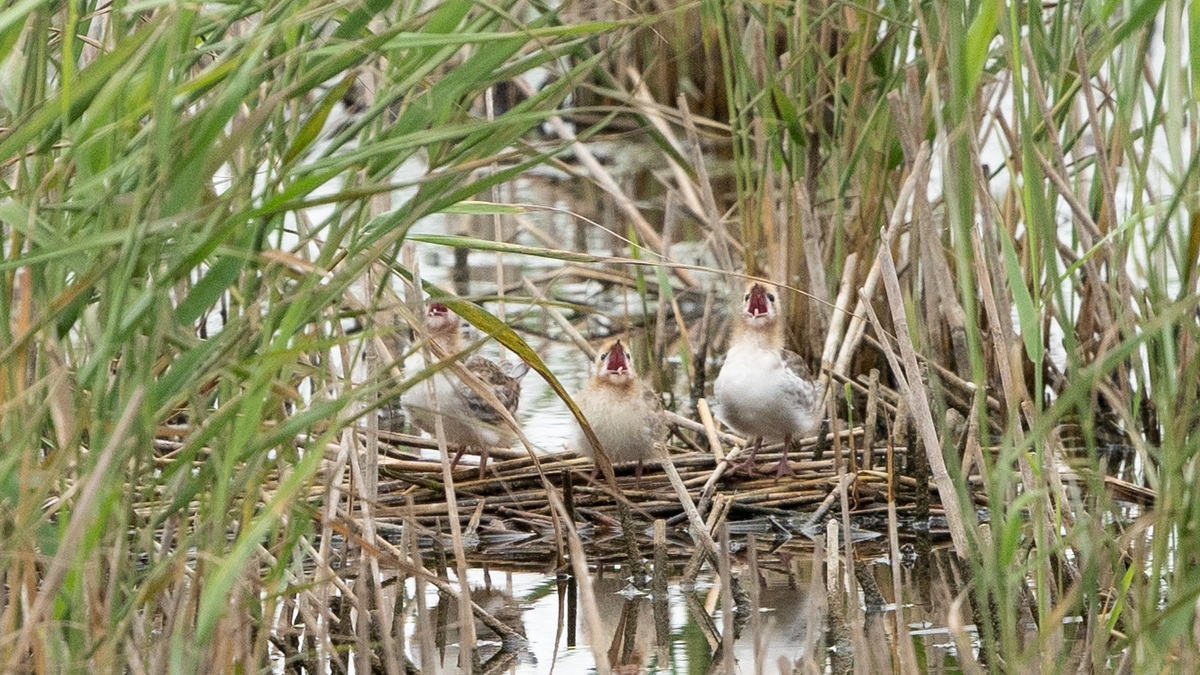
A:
x,y
788,634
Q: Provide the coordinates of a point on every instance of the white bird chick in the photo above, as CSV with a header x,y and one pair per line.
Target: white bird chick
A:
x,y
468,420
763,390
623,412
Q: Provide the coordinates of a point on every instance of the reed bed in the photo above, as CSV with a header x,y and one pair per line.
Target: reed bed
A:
x,y
982,216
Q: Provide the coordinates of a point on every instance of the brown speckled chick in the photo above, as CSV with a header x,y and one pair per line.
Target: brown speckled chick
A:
x,y
622,411
468,420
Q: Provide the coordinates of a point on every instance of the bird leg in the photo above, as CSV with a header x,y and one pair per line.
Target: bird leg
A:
x,y
746,466
483,458
784,468
637,473
457,456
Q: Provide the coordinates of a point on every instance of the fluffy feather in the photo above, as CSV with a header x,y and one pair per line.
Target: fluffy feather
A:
x,y
468,419
764,391
623,412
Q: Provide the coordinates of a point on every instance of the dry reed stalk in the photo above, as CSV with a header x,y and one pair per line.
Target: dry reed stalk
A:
x,y
606,182
757,632
411,552
368,496
587,597
700,354
885,397
868,455
700,534
322,555
973,450
725,570
903,641
645,104
843,496
811,641
957,630
854,333
963,390
710,482
1107,168
721,240
601,275
497,218
940,295
658,589
693,425
834,338
715,517
827,501
703,619
578,339
710,429
659,336
835,580
413,568
918,399
818,285
1007,345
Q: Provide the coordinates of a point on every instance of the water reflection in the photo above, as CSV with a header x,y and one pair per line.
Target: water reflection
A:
x,y
797,621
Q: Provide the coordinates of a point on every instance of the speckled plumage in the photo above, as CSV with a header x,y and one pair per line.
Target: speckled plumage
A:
x,y
468,419
623,412
763,390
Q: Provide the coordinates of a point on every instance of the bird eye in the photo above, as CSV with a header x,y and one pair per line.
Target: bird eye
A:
x,y
745,297
628,356
771,297
604,356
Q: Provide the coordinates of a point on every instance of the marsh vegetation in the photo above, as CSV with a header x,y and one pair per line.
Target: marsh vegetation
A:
x,y
221,222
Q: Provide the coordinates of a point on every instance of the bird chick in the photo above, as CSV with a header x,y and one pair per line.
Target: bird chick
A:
x,y
622,411
468,419
763,390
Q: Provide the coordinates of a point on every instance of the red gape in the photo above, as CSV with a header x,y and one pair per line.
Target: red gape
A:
x,y
616,359
758,301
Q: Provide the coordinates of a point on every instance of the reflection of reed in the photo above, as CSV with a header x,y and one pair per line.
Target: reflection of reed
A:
x,y
490,651
788,628
627,625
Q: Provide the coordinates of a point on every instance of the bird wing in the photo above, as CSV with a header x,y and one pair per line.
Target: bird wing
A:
x,y
651,399
514,369
505,387
802,387
793,362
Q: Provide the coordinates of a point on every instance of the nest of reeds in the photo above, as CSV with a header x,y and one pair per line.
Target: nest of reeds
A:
x,y
508,517
508,505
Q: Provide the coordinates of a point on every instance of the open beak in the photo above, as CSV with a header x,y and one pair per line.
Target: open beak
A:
x,y
436,309
757,305
616,363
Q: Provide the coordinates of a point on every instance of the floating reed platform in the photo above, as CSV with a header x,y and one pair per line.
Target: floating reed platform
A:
x,y
511,498
507,515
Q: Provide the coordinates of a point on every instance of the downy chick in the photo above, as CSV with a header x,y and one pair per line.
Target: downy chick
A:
x,y
468,420
622,411
763,390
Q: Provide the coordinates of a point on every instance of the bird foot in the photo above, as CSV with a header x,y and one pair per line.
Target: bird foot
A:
x,y
743,468
784,468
